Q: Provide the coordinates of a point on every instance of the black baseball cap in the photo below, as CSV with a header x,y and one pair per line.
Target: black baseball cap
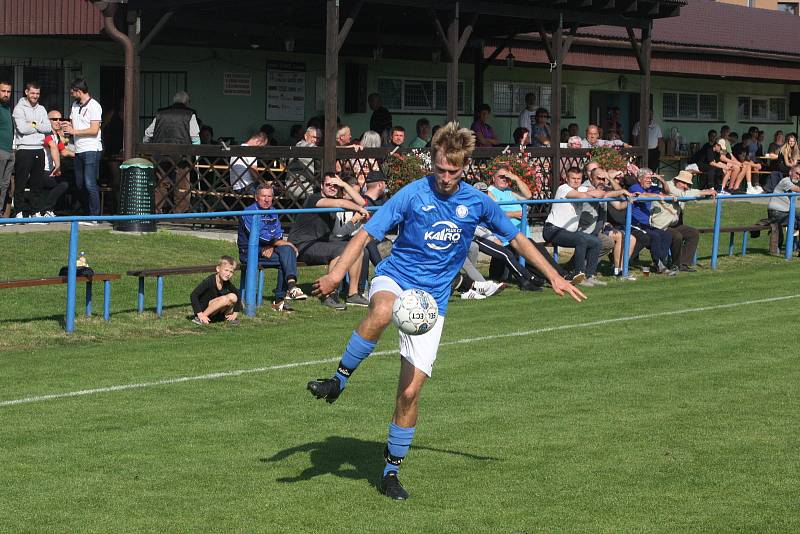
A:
x,y
375,176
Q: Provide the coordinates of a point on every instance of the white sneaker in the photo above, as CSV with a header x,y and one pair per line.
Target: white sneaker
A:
x,y
588,282
758,189
596,281
472,295
751,190
19,215
36,215
723,193
296,294
49,214
629,278
488,288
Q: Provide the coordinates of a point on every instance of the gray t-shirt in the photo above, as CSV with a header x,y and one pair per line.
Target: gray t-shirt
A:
x,y
781,203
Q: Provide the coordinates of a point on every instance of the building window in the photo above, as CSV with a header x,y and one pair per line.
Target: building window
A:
x,y
419,95
508,98
691,107
53,76
761,108
789,7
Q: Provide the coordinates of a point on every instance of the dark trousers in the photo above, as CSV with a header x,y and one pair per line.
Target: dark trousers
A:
x,y
28,173
285,259
371,255
87,169
660,242
587,247
684,244
52,190
503,260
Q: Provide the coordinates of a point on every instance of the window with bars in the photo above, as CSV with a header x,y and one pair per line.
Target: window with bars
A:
x,y
420,95
761,108
508,98
52,76
691,106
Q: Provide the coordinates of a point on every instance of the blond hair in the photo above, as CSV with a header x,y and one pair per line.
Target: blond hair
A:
x,y
227,260
455,143
790,156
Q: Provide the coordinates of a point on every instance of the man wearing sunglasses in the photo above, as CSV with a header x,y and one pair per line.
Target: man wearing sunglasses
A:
x,y
437,216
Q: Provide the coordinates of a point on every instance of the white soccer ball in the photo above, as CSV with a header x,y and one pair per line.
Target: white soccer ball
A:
x,y
415,312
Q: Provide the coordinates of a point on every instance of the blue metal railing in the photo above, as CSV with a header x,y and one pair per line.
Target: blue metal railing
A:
x,y
251,285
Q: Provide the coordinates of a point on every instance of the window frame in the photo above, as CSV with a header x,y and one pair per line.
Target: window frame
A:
x,y
465,109
519,89
768,98
720,117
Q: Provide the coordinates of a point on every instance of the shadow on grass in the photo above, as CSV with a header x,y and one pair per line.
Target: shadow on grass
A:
x,y
349,458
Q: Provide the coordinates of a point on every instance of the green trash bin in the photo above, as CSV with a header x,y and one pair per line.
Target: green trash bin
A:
x,y
137,190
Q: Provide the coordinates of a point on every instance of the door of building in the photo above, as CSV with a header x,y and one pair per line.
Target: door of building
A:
x,y
609,107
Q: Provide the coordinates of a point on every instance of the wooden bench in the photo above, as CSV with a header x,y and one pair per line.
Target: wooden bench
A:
x,y
160,273
746,230
58,280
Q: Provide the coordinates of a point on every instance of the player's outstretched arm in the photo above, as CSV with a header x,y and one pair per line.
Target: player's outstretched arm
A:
x,y
557,282
327,284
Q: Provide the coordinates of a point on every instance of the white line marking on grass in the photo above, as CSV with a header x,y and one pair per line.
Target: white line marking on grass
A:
x,y
240,372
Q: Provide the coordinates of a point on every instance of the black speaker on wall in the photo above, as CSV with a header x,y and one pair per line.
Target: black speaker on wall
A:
x,y
355,88
794,104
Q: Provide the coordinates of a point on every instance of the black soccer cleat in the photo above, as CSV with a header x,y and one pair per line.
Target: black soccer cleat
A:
x,y
325,388
391,487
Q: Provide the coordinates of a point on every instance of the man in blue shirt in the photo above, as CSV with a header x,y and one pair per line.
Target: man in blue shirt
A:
x,y
273,251
437,216
660,241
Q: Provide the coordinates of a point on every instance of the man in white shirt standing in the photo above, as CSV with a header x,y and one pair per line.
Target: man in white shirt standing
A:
x,y
655,140
86,116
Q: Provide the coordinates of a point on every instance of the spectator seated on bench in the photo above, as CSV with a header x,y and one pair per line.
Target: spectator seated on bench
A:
x,y
778,207
274,250
668,216
216,299
660,240
312,233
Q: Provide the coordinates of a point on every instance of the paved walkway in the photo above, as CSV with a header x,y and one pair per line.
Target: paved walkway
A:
x,y
222,235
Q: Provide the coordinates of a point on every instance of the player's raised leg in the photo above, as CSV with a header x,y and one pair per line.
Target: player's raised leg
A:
x,y
361,344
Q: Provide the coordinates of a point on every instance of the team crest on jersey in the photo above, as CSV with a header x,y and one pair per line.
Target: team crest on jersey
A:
x,y
462,211
444,235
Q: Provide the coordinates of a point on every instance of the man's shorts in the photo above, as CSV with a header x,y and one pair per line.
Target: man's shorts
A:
x,y
321,252
420,351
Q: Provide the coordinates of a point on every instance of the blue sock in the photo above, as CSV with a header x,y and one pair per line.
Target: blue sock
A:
x,y
397,446
357,349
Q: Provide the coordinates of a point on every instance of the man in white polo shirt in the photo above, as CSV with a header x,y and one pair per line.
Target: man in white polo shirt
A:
x,y
86,116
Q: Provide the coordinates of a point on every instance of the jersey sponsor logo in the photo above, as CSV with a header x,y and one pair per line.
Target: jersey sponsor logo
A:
x,y
443,236
428,208
462,211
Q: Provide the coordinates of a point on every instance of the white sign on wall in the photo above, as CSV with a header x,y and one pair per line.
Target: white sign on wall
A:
x,y
286,91
237,84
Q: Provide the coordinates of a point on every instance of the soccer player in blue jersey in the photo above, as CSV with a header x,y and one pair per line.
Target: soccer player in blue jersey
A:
x,y
437,216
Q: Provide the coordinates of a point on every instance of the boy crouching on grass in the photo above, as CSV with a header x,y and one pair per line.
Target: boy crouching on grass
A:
x,y
216,298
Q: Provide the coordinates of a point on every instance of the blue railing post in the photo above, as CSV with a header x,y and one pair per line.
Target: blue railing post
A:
x,y
715,240
106,299
159,295
523,228
72,269
790,227
626,241
252,266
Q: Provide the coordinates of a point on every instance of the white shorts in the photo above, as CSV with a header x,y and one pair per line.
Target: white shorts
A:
x,y
420,351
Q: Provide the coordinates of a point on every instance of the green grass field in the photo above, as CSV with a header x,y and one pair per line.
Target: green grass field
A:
x,y
666,404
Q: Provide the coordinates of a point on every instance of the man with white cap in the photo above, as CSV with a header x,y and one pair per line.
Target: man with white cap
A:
x,y
668,216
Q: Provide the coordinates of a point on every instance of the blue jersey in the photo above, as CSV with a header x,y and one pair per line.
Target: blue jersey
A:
x,y
435,234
